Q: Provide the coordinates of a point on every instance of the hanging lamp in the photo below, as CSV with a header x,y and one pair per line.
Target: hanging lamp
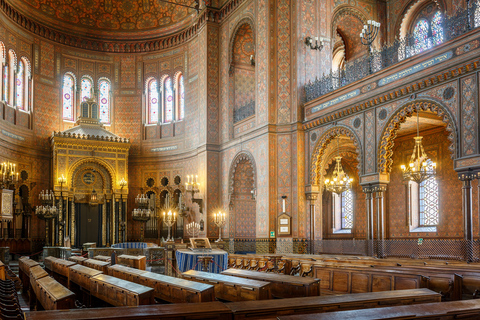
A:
x,y
339,182
418,169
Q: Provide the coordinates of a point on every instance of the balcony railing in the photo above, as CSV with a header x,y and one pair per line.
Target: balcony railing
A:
x,y
465,20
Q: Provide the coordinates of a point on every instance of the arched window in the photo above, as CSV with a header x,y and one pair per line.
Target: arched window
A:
x,y
68,96
20,83
87,88
104,100
153,101
5,83
424,204
3,66
180,98
343,211
168,100
427,30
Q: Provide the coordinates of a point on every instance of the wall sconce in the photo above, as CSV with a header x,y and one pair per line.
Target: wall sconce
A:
x,y
317,46
252,60
192,184
254,193
62,180
123,183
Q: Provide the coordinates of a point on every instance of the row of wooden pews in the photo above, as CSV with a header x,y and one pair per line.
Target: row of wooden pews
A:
x,y
251,310
9,303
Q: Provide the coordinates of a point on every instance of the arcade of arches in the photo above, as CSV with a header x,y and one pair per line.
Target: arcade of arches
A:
x,y
125,101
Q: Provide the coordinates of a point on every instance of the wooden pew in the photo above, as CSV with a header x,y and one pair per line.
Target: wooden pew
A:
x,y
118,292
60,267
232,288
200,311
273,308
97,264
103,258
81,275
137,262
37,272
77,259
24,266
359,280
52,295
171,289
467,309
283,286
48,262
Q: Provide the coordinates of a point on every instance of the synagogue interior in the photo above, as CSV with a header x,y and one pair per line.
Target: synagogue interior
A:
x,y
184,159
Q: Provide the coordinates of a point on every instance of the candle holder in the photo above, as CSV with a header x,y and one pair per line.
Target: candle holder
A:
x,y
316,46
220,220
142,213
368,35
192,185
8,174
169,220
47,211
193,229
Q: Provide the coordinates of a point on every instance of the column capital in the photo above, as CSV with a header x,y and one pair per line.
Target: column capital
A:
x,y
312,192
380,187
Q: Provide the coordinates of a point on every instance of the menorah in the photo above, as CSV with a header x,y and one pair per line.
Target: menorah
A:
x,y
220,220
368,35
193,229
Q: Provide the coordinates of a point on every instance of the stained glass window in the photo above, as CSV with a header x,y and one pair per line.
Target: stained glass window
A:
x,y
168,104
86,88
5,83
152,101
347,209
181,98
20,86
68,96
437,29
428,201
420,33
104,100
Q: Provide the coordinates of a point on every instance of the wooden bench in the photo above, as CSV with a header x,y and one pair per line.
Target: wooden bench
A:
x,y
118,292
200,311
60,267
97,264
48,262
24,266
467,309
103,258
77,259
232,288
171,289
81,275
137,262
283,286
37,272
52,295
274,308
359,280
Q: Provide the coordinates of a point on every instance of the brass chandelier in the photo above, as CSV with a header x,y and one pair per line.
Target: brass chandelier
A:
x,y
340,181
418,168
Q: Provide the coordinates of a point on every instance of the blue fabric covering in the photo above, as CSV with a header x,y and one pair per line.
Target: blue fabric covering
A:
x,y
130,245
187,259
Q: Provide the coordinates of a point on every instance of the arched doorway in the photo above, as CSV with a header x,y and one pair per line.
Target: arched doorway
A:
x,y
243,203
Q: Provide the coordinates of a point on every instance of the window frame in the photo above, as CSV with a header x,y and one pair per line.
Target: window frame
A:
x,y
74,100
109,106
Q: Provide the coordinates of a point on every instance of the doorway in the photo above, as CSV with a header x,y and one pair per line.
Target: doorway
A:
x,y
88,224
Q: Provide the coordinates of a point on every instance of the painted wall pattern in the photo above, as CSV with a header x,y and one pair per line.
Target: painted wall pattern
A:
x,y
469,116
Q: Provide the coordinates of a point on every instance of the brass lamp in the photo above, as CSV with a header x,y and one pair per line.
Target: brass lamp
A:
x,y
339,182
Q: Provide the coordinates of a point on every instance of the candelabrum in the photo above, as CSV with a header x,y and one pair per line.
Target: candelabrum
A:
x,y
317,46
47,211
8,174
368,35
193,229
192,185
220,220
169,219
143,212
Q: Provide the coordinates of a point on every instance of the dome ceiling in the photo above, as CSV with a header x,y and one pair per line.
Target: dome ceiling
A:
x,y
109,19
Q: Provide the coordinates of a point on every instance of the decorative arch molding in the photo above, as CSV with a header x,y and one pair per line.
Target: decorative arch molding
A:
x,y
322,144
28,66
343,11
329,160
78,164
246,20
410,12
389,133
242,155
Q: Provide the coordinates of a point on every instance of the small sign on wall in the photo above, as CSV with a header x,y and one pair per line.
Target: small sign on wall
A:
x,y
284,225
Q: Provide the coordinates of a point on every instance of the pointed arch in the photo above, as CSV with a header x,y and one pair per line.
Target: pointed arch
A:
x,y
322,144
389,133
